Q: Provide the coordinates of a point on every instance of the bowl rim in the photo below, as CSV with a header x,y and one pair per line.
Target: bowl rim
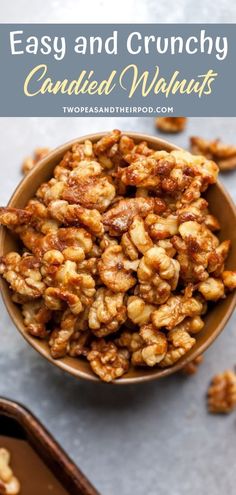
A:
x,y
159,373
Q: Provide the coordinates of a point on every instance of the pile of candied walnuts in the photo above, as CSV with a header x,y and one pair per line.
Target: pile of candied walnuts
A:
x,y
120,256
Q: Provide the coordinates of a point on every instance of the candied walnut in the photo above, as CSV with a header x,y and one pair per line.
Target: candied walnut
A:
x,y
139,312
40,217
223,154
199,252
128,247
160,227
50,191
9,484
195,211
79,344
87,186
194,325
22,274
198,236
171,124
14,217
154,347
229,279
129,340
77,215
175,310
141,173
107,241
115,270
61,240
179,343
31,161
54,298
119,218
167,245
107,312
107,142
211,222
197,166
59,341
158,275
107,361
36,315
221,396
88,266
212,289
192,367
70,285
126,145
217,258
139,236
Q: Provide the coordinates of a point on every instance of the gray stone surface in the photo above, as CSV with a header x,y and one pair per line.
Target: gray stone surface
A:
x,y
150,439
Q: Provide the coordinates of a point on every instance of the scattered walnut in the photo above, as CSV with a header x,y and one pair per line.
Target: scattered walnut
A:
x,y
31,161
192,367
9,484
222,393
171,124
107,361
223,154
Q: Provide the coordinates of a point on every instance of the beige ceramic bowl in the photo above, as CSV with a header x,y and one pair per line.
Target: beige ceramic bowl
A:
x,y
221,206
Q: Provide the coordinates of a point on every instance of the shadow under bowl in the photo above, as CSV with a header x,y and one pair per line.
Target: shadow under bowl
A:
x,y
221,206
